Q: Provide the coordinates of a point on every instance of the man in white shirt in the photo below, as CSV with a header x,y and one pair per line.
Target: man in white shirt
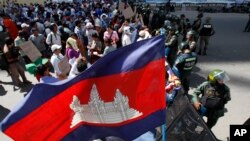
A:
x,y
53,37
55,59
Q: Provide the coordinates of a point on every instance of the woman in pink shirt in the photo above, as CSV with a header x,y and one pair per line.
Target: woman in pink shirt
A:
x,y
110,33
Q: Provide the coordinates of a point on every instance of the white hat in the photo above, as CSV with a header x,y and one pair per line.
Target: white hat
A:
x,y
55,46
23,25
142,33
89,25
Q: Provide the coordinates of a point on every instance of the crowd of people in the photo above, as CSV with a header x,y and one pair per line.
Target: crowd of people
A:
x,y
83,32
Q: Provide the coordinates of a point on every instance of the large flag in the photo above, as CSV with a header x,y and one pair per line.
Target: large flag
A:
x,y
121,95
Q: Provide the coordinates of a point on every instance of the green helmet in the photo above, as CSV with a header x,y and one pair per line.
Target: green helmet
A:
x,y
218,75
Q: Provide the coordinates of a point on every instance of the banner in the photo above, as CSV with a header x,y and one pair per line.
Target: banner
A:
x,y
122,95
121,6
128,13
31,50
64,65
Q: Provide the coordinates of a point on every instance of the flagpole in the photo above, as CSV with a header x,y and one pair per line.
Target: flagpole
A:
x,y
163,133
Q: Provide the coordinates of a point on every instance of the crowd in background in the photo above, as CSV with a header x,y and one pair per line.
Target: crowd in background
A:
x,y
85,31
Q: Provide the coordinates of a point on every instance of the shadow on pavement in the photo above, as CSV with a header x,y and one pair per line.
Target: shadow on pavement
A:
x,y
26,88
196,69
7,83
196,80
4,112
2,91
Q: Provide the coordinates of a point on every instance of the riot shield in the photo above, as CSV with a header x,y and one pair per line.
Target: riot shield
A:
x,y
184,123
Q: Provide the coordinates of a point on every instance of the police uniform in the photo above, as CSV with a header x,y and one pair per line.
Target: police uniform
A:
x,y
191,40
214,97
183,66
205,33
171,48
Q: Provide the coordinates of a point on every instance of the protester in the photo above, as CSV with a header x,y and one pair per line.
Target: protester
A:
x,y
72,49
44,74
96,46
53,37
10,25
111,34
141,35
3,61
79,66
55,59
39,41
19,40
14,66
126,38
108,48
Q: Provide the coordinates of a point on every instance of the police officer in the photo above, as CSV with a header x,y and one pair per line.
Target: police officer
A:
x,y
184,64
171,45
215,94
205,33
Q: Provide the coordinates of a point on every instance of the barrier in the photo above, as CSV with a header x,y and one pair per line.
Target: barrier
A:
x,y
183,123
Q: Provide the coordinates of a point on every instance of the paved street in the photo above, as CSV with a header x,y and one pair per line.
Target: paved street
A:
x,y
229,50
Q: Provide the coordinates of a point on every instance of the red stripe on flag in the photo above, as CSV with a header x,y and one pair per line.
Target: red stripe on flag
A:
x,y
51,121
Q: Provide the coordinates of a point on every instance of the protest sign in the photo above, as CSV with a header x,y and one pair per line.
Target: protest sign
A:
x,y
31,50
64,65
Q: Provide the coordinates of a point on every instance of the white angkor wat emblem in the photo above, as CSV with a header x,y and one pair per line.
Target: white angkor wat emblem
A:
x,y
97,111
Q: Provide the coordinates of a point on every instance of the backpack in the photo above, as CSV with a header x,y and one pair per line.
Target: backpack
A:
x,y
212,99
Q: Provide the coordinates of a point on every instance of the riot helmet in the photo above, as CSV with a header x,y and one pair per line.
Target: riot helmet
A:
x,y
191,33
218,75
183,46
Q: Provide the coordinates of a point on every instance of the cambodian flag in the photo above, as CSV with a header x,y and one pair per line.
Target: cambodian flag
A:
x,y
122,95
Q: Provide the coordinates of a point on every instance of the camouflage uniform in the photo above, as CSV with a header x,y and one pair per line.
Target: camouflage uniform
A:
x,y
214,96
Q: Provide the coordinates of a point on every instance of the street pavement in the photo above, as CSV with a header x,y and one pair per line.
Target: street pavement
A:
x,y
229,50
